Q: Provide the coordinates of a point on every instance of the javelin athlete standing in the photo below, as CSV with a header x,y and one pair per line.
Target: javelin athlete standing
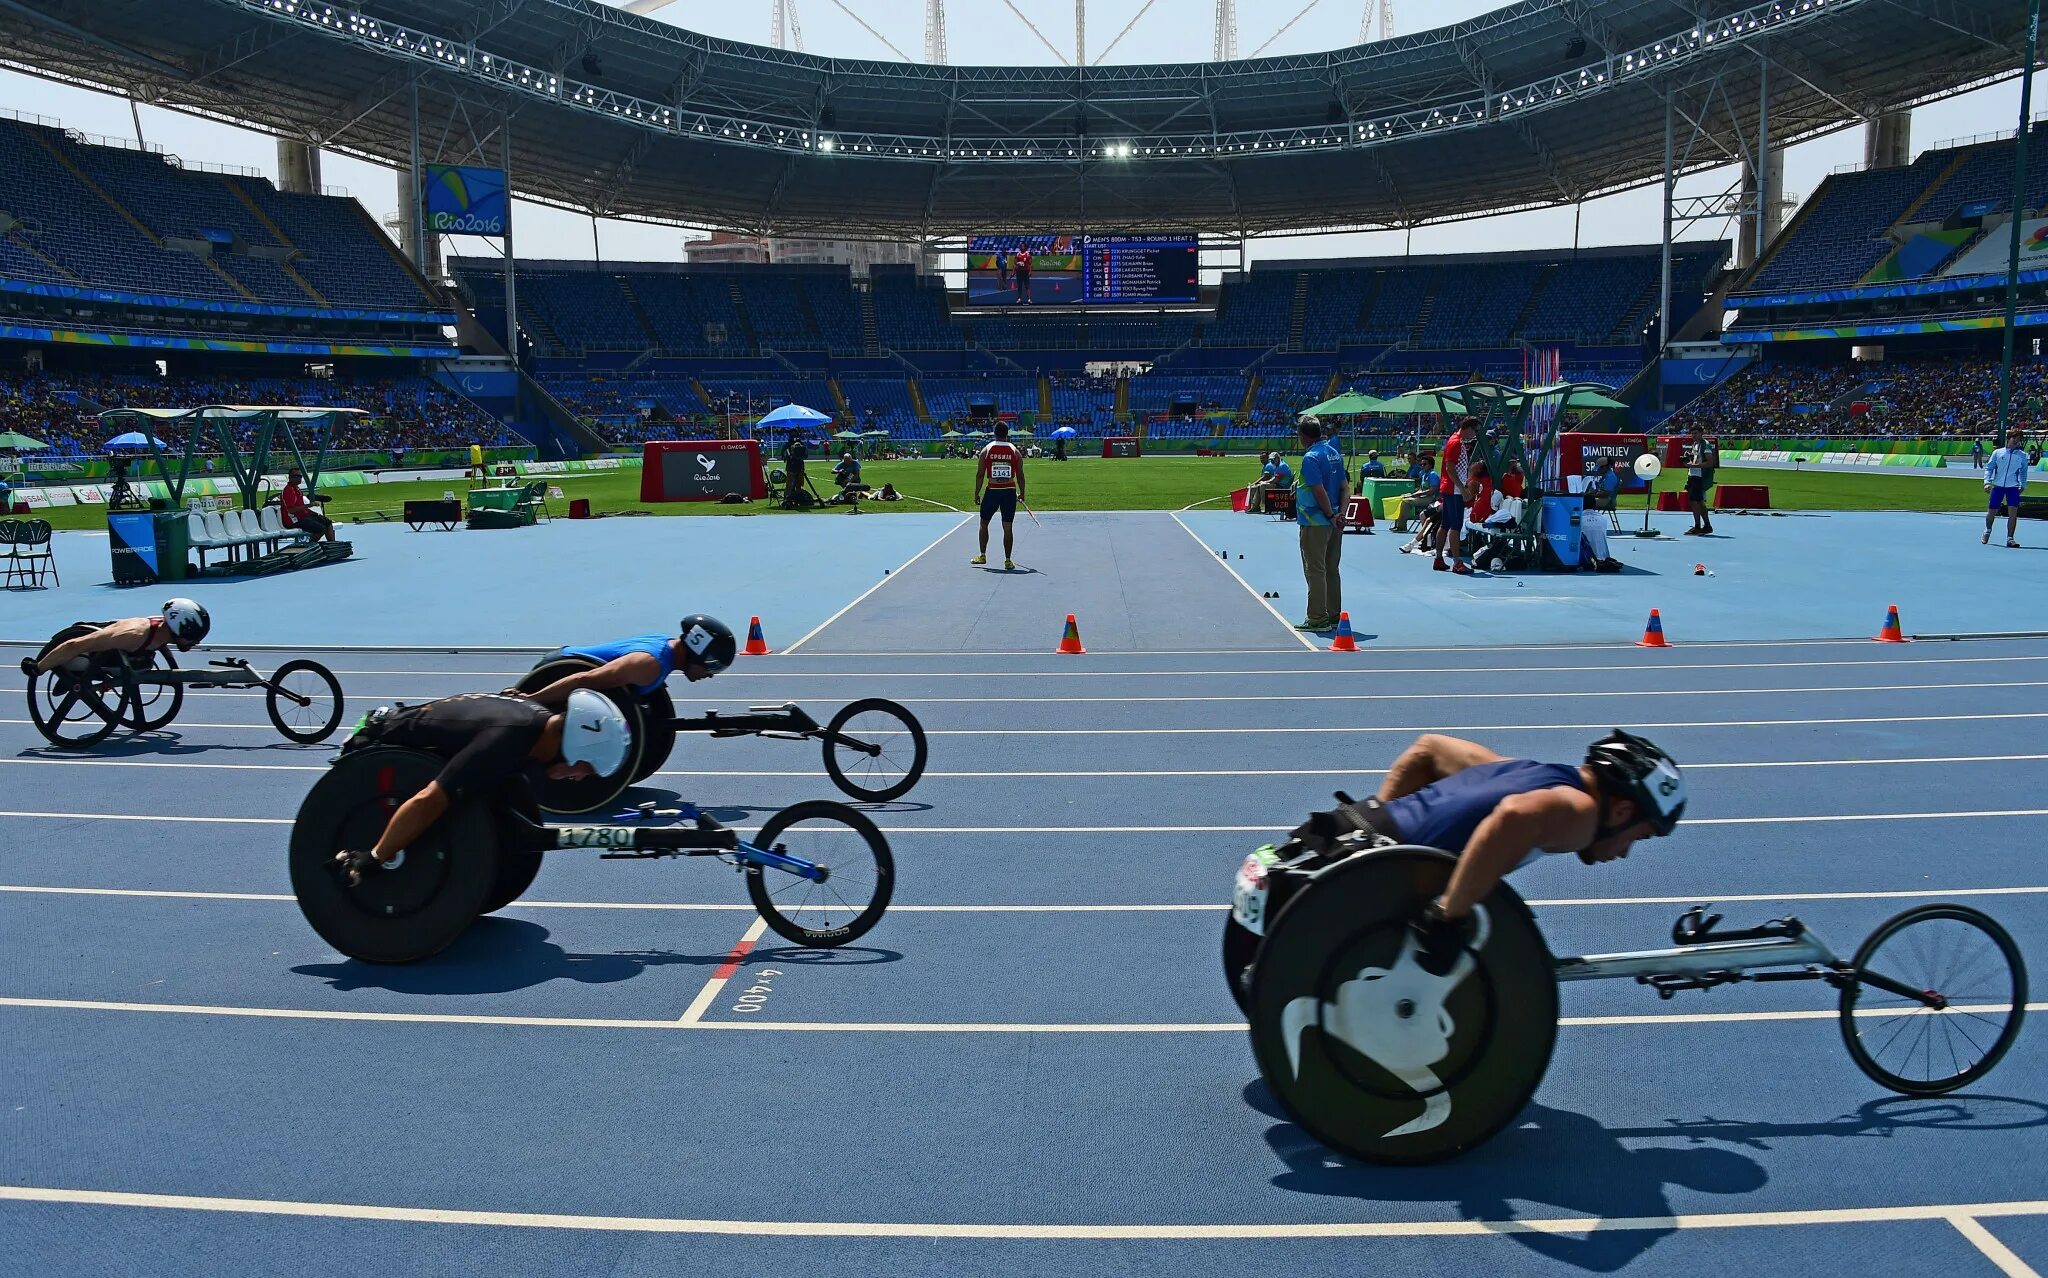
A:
x,y
999,486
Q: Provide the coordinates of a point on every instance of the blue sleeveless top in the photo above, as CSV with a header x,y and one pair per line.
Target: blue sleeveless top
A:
x,y
1444,815
656,646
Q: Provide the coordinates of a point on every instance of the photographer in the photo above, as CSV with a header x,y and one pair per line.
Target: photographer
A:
x,y
794,454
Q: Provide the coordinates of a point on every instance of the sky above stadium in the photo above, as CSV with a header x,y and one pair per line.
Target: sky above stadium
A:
x,y
990,31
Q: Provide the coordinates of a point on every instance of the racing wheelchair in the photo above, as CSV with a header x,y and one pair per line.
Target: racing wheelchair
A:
x,y
84,703
485,851
1382,1060
875,749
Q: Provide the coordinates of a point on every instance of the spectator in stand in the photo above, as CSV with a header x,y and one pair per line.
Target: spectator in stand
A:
x,y
1372,469
1318,510
297,510
1455,487
2005,480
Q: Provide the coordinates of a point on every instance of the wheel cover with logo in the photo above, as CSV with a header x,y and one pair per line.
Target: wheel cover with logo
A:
x,y
1371,1054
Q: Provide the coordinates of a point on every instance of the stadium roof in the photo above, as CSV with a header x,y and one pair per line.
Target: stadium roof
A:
x,y
1537,103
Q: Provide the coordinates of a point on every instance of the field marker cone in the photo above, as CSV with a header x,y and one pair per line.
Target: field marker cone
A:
x,y
1891,632
1653,632
1070,641
757,646
1342,641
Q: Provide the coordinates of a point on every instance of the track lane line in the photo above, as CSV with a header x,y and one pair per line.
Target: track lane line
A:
x,y
1264,602
1994,1251
705,996
1176,1231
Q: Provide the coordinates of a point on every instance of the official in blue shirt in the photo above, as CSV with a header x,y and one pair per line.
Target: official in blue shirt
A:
x,y
1319,510
2005,482
1373,468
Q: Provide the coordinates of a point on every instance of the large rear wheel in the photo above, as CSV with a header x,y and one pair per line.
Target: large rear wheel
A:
x,y
81,707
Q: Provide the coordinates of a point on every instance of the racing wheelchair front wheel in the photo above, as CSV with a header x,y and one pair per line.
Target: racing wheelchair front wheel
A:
x,y
860,874
1952,951
303,700
875,749
1377,1057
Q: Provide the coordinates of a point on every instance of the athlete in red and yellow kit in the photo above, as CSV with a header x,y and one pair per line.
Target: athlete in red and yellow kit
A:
x,y
999,486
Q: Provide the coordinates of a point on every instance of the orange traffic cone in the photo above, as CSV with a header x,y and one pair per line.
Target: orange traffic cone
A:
x,y
1653,633
1891,632
757,646
1070,641
1343,641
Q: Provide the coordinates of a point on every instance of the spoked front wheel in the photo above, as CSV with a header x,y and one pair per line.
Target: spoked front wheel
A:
x,y
860,874
874,749
1951,953
304,701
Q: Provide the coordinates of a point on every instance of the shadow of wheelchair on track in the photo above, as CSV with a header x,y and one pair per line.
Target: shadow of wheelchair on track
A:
x,y
1549,1156
502,955
165,744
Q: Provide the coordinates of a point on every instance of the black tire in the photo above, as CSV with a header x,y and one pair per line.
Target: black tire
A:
x,y
888,775
1973,963
573,798
1498,1013
154,705
76,711
1240,947
861,864
414,908
661,733
320,716
517,866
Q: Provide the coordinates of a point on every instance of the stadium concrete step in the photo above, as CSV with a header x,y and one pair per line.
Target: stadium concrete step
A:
x,y
1297,318
277,232
1543,279
639,309
870,331
739,309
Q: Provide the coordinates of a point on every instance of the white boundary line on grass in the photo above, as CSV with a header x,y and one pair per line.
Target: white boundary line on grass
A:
x,y
1265,603
683,907
1177,1231
887,577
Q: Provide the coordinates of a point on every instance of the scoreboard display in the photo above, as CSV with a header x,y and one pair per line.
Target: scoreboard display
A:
x,y
1095,270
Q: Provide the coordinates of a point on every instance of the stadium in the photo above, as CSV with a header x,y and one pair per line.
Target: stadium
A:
x,y
1346,462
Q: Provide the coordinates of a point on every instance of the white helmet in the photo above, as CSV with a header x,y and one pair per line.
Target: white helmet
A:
x,y
594,732
186,620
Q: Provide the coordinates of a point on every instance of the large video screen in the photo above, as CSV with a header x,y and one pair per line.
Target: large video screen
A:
x,y
1060,270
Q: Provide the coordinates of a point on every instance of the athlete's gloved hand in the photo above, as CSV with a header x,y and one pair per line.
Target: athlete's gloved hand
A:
x,y
28,666
1439,939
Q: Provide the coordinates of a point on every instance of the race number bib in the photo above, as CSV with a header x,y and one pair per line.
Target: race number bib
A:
x,y
999,471
1248,893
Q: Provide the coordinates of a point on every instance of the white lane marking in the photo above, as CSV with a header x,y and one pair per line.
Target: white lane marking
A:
x,y
886,579
702,1003
1994,1251
1264,602
1268,828
1695,898
883,1027
1320,672
1177,1231
1064,774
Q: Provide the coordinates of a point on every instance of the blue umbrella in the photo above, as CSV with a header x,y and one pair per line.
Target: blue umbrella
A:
x,y
794,415
1065,432
135,439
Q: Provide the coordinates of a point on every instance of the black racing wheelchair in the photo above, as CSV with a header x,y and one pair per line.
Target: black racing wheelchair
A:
x,y
875,749
143,692
1382,1060
819,872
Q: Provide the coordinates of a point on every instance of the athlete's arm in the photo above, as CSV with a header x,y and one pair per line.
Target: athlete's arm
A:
x,y
1017,471
980,473
414,817
119,636
1558,817
629,671
1433,757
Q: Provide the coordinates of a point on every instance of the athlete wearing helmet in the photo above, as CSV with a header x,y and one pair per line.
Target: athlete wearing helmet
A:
x,y
487,740
641,664
1499,814
182,622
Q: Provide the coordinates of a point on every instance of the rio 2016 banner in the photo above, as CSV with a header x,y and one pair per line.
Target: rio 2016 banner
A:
x,y
465,201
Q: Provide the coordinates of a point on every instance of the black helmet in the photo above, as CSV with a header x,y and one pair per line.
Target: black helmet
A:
x,y
1628,767
709,641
